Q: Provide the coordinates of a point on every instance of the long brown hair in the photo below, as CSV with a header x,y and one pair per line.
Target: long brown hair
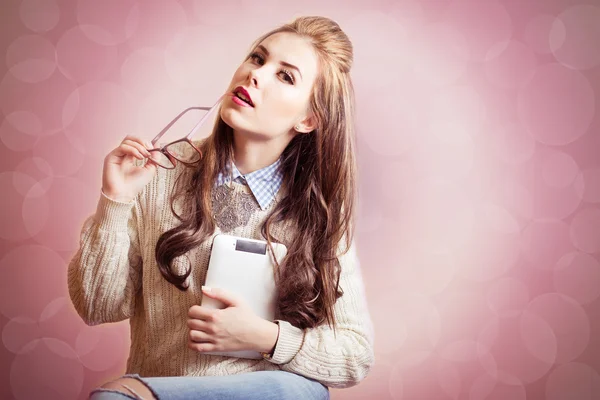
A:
x,y
319,172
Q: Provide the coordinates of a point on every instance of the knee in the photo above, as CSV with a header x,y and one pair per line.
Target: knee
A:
x,y
122,388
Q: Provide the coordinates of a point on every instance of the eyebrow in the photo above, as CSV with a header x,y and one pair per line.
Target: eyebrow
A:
x,y
263,48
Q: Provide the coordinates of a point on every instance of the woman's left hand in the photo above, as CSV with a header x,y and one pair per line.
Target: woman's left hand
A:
x,y
233,328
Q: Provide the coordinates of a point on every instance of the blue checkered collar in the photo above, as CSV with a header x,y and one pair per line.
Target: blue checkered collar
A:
x,y
264,183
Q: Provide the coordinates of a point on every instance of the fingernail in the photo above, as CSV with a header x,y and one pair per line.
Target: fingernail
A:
x,y
206,288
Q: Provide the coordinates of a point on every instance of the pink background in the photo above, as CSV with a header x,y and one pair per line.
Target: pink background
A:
x,y
479,158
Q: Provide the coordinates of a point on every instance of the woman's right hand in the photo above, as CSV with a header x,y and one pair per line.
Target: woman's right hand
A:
x,y
122,180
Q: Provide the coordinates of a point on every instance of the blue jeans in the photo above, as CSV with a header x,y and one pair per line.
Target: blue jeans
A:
x,y
263,385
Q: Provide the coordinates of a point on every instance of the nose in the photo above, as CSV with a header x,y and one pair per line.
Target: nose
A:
x,y
253,77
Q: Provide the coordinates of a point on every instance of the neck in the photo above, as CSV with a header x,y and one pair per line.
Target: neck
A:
x,y
251,155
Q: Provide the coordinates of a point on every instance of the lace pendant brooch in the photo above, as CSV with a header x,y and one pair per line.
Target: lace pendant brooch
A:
x,y
232,209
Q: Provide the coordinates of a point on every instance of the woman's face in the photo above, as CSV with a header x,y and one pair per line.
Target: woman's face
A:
x,y
279,93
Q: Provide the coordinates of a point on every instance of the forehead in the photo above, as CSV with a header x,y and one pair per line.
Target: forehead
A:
x,y
291,48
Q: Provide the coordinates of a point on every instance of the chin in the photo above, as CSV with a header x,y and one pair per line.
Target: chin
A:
x,y
228,116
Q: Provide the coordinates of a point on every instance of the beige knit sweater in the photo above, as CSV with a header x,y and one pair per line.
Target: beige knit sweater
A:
x,y
114,276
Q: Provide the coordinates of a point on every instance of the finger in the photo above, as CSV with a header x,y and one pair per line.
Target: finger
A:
x,y
200,337
200,347
150,164
139,146
200,325
153,160
127,149
226,297
149,145
156,156
134,138
203,313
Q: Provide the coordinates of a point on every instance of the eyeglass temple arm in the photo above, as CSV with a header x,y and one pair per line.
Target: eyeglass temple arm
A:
x,y
209,109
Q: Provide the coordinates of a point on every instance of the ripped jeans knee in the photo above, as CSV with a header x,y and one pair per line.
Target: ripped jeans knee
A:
x,y
118,389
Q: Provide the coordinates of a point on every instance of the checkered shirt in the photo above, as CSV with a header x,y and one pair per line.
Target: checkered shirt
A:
x,y
264,183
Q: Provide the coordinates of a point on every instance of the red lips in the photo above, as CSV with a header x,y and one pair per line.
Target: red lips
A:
x,y
243,91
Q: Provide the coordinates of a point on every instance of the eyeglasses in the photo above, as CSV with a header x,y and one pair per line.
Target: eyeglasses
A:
x,y
182,150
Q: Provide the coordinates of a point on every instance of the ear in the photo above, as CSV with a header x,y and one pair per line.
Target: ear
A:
x,y
307,125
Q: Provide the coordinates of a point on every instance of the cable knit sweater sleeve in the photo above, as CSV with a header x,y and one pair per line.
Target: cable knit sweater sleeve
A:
x,y
338,361
104,275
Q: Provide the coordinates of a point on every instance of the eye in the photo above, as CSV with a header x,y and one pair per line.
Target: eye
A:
x,y
255,55
288,74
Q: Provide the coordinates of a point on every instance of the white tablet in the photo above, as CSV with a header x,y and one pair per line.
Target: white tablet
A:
x,y
244,267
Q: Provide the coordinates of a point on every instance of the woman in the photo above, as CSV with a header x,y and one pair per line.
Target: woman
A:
x,y
288,154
